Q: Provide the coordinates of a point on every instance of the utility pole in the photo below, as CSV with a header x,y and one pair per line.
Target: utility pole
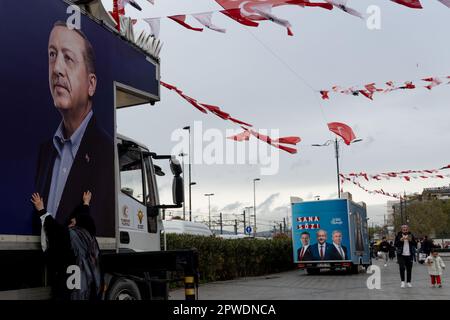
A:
x,y
406,214
281,228
401,210
209,207
235,226
284,224
221,224
244,220
254,203
336,146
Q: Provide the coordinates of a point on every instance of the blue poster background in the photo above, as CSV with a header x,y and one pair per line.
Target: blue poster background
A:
x,y
26,106
333,215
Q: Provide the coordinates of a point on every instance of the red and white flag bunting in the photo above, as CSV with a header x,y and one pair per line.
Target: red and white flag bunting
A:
x,y
206,20
415,4
342,4
277,143
380,191
407,175
370,89
245,135
155,26
246,12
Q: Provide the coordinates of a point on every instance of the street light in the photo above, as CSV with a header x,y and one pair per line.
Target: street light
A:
x,y
254,203
182,155
190,209
190,161
336,148
209,207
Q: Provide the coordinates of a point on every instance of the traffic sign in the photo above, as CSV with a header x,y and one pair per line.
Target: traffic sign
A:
x,y
248,229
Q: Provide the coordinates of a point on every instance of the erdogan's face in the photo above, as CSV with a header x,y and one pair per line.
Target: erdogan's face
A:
x,y
71,84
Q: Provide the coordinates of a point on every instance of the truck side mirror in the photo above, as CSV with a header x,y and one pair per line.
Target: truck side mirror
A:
x,y
178,184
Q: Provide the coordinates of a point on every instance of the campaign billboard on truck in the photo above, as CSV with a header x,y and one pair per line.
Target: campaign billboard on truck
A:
x,y
59,94
329,231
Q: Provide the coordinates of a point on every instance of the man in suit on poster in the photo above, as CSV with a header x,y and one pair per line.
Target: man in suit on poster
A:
x,y
80,155
304,252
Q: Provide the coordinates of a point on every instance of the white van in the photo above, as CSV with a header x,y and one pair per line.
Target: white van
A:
x,y
186,227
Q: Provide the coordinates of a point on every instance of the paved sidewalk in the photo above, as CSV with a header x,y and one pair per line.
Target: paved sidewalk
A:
x,y
297,285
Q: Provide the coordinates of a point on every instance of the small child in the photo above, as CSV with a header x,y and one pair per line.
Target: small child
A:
x,y
435,266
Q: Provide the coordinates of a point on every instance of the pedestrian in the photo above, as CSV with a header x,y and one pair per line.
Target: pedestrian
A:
x,y
384,248
391,250
427,245
405,243
435,266
73,244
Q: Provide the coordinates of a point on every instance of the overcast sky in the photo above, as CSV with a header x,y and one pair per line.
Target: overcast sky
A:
x,y
262,76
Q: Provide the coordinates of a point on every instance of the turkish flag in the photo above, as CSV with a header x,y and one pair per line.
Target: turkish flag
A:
x,y
242,10
342,130
415,4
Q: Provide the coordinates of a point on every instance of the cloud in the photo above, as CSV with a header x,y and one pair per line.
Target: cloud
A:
x,y
300,163
369,141
332,195
232,206
265,206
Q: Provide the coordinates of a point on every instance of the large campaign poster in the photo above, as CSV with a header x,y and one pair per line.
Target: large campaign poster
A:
x,y
320,231
58,114
359,232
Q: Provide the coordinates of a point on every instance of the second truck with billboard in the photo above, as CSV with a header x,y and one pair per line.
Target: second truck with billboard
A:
x,y
330,234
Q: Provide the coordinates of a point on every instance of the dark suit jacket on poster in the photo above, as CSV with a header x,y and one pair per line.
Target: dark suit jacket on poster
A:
x,y
307,255
92,169
315,251
335,255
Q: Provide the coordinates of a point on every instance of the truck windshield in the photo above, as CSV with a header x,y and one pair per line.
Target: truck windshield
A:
x,y
131,175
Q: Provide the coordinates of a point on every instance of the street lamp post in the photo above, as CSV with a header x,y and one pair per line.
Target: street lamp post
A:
x,y
209,207
190,209
336,149
182,155
254,203
188,128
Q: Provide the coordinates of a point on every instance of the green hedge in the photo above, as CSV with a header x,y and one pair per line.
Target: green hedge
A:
x,y
225,259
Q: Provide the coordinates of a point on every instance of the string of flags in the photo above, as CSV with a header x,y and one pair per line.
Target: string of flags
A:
x,y
416,4
406,175
245,135
380,191
249,12
370,89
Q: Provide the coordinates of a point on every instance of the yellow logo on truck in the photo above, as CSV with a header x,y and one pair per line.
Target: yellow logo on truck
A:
x,y
140,216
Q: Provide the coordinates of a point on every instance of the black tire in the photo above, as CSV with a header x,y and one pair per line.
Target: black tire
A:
x,y
312,271
123,289
354,269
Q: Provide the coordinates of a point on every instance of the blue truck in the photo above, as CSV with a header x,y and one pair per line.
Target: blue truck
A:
x,y
330,234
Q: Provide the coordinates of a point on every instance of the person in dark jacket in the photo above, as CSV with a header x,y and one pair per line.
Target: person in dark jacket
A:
x,y
73,243
405,243
427,245
391,251
384,248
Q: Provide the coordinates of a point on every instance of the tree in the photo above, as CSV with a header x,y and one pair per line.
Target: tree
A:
x,y
427,217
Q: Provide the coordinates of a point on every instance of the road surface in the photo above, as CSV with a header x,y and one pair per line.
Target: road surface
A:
x,y
297,285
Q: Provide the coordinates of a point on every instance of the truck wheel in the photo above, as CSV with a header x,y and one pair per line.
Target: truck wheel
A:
x,y
124,289
312,271
354,269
